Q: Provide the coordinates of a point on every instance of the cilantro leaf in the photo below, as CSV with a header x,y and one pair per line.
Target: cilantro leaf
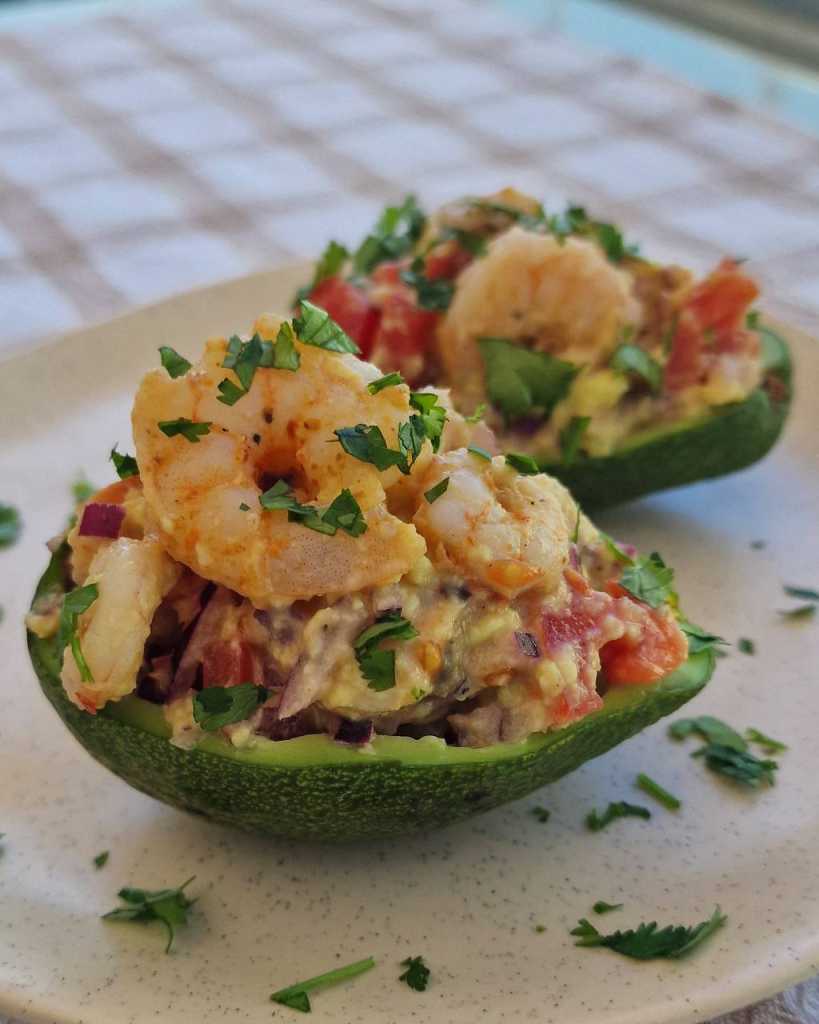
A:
x,y
433,294
343,513
712,730
634,361
698,638
101,859
601,907
285,356
647,942
770,746
803,593
595,822
389,380
571,437
329,264
482,453
82,489
739,765
469,241
125,465
746,646
229,393
661,795
176,365
434,493
170,906
186,428
649,580
433,415
541,813
477,415
378,665
10,525
531,221
524,464
416,974
394,235
521,382
368,444
75,603
575,221
315,327
245,358
217,706
801,611
296,997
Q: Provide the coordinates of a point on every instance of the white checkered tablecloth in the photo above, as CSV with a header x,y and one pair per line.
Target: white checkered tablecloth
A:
x,y
146,149
150,148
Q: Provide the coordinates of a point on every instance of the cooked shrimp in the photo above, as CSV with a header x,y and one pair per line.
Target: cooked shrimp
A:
x,y
127,493
205,496
133,576
504,530
560,297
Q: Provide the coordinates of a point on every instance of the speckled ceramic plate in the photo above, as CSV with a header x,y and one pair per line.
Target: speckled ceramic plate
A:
x,y
467,898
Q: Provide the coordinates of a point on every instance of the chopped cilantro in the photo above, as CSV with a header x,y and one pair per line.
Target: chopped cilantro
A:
x,y
698,638
634,361
368,444
218,706
75,603
541,813
601,907
477,415
101,859
433,294
739,765
378,665
746,646
526,220
185,428
540,928
524,464
176,365
482,453
575,221
614,549
125,465
432,415
649,580
329,264
712,730
343,513
521,382
10,525
170,906
434,493
394,235
285,356
470,241
571,437
801,611
246,357
752,320
229,393
758,545
296,996
314,326
803,593
595,822
416,974
82,489
389,380
661,795
646,942
770,746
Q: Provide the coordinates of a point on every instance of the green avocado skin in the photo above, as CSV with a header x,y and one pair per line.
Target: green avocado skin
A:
x,y
361,796
730,439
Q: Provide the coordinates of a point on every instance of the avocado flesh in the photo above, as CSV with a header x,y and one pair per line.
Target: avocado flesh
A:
x,y
730,438
315,788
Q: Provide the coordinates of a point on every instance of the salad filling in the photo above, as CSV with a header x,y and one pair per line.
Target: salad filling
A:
x,y
568,339
306,546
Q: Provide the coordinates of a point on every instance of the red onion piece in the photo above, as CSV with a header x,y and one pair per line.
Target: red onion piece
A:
x,y
355,733
101,520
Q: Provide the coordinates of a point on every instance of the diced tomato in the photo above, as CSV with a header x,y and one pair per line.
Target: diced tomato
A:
x,y
711,323
405,333
231,662
349,306
660,649
446,261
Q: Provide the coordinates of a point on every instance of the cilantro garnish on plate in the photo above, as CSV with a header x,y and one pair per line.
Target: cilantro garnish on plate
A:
x,y
660,794
601,907
170,906
10,525
416,974
647,941
726,751
296,996
102,859
378,665
620,809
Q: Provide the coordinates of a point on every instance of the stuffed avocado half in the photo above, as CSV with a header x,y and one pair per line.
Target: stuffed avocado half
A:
x,y
620,376
316,605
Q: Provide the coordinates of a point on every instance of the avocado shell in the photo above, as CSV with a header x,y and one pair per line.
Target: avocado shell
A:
x,y
730,438
313,787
